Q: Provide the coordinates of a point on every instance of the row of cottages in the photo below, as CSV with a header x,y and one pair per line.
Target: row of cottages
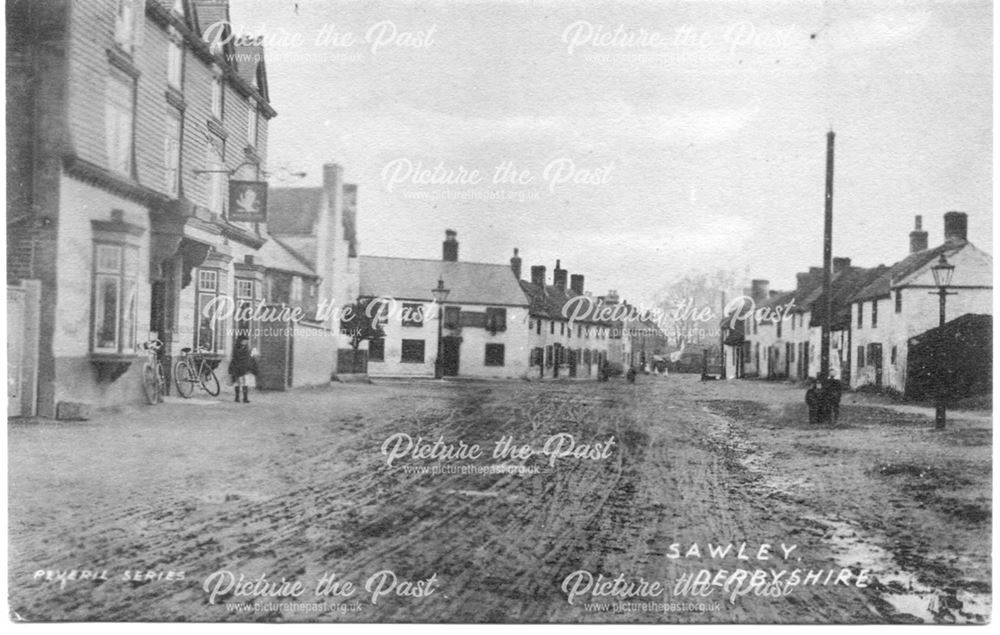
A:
x,y
560,345
126,123
876,312
490,324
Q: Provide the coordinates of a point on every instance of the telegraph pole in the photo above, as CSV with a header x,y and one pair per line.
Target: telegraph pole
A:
x,y
824,359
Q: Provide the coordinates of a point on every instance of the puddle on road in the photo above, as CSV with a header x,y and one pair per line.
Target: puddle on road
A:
x,y
900,588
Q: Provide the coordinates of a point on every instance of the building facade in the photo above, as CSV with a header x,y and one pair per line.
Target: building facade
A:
x,y
483,322
903,302
129,121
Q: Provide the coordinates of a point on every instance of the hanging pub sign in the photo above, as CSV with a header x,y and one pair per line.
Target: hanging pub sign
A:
x,y
248,201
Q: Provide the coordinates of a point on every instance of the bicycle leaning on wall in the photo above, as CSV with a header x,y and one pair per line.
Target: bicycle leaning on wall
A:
x,y
153,382
192,369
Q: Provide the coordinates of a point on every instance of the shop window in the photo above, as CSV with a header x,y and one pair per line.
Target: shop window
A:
x,y
413,352
115,289
209,324
494,354
248,296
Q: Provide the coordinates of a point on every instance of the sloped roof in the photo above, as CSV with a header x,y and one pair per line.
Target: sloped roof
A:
x,y
882,285
250,66
847,283
209,12
293,210
275,254
548,301
413,279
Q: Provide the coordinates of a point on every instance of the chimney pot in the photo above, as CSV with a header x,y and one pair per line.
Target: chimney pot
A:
x,y
956,227
559,276
515,264
918,237
449,249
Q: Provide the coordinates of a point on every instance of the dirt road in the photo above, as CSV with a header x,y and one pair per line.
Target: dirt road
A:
x,y
341,500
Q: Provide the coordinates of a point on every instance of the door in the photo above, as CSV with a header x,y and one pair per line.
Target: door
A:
x,y
450,346
875,357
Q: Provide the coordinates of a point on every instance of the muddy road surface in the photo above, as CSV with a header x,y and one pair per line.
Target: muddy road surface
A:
x,y
502,502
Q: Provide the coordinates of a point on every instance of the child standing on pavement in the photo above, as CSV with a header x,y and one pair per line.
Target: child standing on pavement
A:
x,y
241,365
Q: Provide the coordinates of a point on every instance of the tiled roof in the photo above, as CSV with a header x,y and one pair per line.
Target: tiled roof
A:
x,y
250,66
277,255
548,301
413,279
293,210
209,12
848,283
882,285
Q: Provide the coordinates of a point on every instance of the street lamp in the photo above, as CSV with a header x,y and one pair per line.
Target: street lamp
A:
x,y
440,295
942,272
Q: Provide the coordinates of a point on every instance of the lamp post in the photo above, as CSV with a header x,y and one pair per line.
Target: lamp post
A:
x,y
440,295
942,272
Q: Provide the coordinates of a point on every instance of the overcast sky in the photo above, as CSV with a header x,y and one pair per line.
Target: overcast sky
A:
x,y
698,128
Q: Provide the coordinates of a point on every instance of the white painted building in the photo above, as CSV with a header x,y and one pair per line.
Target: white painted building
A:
x,y
903,303
485,328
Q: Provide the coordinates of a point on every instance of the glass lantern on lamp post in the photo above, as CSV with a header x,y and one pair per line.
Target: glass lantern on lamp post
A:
x,y
942,272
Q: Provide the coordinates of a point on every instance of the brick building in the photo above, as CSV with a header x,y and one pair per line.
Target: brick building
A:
x,y
125,125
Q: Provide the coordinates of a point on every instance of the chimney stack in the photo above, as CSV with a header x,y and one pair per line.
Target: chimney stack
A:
x,y
801,280
956,227
559,277
758,290
576,283
449,249
612,297
515,264
841,264
538,275
918,237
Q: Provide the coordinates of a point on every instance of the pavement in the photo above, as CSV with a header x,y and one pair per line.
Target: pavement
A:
x,y
583,502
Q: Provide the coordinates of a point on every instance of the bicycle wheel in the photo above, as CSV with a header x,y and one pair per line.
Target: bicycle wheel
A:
x,y
209,381
161,383
149,384
184,378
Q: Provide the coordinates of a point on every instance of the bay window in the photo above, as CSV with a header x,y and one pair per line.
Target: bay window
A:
x,y
115,291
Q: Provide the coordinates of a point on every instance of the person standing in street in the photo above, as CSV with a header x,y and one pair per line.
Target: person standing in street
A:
x,y
242,364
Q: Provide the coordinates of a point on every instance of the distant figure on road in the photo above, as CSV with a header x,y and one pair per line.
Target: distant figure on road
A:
x,y
630,375
823,400
242,364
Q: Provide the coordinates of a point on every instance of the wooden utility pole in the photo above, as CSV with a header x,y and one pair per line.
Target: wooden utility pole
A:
x,y
824,359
